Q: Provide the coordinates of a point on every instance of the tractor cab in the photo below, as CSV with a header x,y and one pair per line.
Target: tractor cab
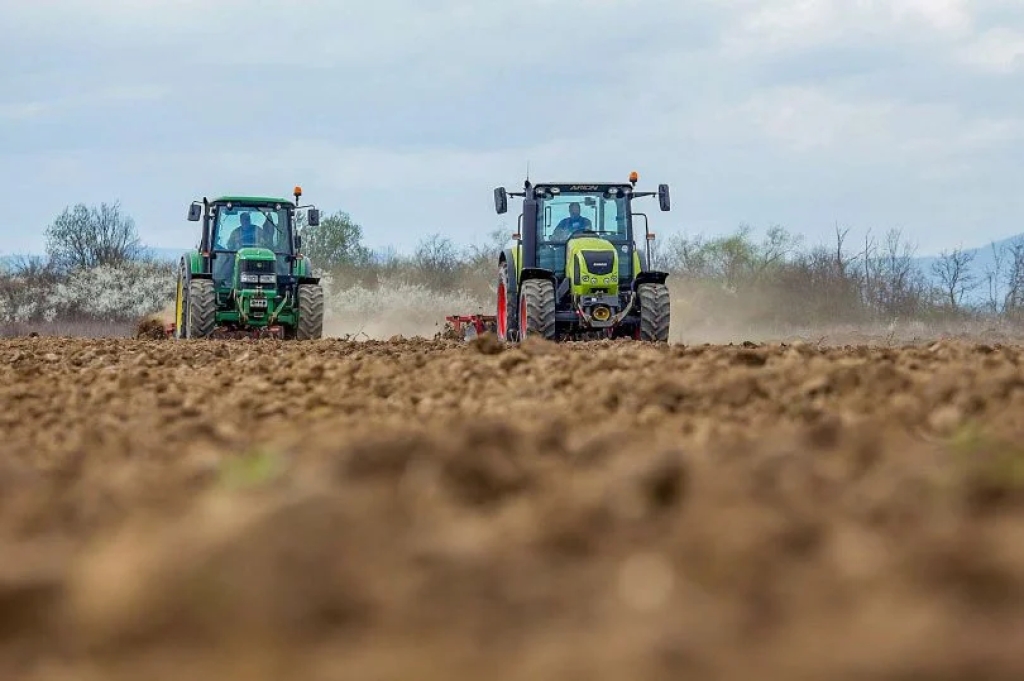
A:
x,y
258,235
573,213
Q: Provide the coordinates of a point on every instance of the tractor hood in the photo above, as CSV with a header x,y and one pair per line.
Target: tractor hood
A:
x,y
592,264
255,253
255,266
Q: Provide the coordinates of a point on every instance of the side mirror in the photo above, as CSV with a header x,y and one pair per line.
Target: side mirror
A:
x,y
663,198
500,200
314,217
195,211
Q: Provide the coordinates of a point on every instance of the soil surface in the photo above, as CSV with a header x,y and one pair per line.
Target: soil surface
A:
x,y
436,510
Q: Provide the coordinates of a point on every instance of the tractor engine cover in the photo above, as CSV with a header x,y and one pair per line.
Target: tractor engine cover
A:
x,y
592,265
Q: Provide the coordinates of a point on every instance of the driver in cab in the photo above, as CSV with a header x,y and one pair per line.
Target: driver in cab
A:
x,y
248,235
572,224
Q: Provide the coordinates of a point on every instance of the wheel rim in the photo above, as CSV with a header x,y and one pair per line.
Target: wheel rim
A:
x,y
523,317
502,312
179,305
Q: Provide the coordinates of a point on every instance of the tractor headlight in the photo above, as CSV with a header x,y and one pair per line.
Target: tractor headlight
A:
x,y
249,278
268,278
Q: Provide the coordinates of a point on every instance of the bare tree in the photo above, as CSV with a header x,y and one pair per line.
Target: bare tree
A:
x,y
993,278
83,237
436,261
954,273
778,244
896,287
1013,303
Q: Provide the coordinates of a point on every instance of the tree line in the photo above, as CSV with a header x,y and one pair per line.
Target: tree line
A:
x,y
96,267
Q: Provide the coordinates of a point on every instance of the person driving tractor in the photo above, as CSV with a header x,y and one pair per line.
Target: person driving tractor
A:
x,y
572,224
248,235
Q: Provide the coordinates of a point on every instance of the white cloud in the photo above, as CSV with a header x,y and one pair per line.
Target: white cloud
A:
x,y
101,97
792,25
999,50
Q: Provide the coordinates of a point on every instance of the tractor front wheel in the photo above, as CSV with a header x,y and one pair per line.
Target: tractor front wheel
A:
x,y
655,312
537,309
202,309
311,312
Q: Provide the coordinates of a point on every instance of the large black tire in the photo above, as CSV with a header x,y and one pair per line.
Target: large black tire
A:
x,y
506,295
202,309
537,309
655,312
311,312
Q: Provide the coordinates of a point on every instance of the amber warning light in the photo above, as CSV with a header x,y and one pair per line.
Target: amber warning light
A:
x,y
633,177
298,191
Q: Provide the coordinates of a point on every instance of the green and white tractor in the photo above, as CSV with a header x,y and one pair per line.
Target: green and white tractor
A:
x,y
248,277
573,271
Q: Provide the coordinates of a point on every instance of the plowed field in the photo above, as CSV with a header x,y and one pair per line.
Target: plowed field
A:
x,y
429,510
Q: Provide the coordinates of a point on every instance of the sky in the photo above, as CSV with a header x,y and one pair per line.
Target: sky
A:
x,y
869,114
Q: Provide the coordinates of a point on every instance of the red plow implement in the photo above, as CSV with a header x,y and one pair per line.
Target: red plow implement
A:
x,y
465,327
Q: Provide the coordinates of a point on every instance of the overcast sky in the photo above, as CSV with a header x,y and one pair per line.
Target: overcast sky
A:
x,y
406,113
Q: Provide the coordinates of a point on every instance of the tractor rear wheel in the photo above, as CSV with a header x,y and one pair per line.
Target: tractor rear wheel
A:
x,y
537,309
202,309
655,312
311,312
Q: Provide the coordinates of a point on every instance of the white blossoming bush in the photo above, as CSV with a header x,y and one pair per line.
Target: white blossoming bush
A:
x,y
25,299
126,292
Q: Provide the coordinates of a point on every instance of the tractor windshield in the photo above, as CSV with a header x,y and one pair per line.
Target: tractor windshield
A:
x,y
566,213
252,226
246,226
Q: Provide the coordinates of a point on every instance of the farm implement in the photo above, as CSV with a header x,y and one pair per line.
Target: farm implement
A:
x,y
466,327
574,271
248,277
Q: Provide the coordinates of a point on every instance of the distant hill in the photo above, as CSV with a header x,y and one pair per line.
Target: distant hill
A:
x,y
984,261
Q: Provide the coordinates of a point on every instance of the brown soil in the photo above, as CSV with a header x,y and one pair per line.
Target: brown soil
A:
x,y
437,510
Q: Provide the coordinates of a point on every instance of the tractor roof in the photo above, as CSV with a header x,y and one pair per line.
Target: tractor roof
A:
x,y
582,186
250,200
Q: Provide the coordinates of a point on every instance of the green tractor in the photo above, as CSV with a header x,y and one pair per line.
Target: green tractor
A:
x,y
574,271
248,278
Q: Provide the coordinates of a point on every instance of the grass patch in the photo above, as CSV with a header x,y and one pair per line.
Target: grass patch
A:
x,y
252,469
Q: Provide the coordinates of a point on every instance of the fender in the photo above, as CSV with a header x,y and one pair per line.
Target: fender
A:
x,y
304,271
529,273
510,257
196,266
649,277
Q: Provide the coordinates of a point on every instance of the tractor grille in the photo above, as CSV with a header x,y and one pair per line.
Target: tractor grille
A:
x,y
599,262
257,267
